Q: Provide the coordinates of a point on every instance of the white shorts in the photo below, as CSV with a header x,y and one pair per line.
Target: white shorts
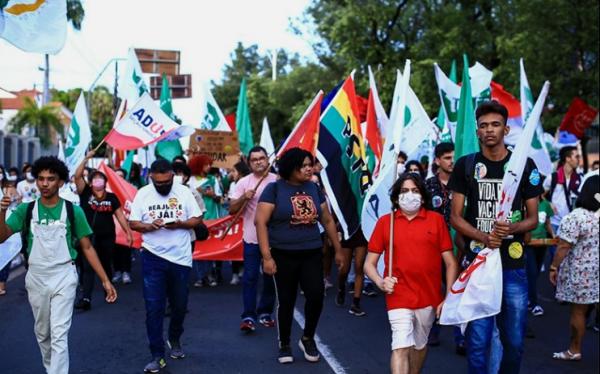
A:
x,y
410,327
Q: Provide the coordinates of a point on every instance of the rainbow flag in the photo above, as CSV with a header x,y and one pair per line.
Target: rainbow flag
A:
x,y
341,150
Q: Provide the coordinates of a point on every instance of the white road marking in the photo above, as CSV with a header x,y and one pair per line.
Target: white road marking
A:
x,y
327,354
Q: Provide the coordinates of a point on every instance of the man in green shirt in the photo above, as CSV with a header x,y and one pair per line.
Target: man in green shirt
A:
x,y
51,280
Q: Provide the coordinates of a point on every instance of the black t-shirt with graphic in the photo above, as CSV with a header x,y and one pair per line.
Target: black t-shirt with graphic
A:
x,y
99,213
293,223
441,197
482,197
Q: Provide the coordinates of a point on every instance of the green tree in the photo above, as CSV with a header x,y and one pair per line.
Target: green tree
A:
x,y
40,119
558,40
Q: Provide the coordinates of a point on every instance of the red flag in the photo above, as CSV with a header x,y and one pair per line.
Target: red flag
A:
x,y
230,118
505,98
125,193
372,134
578,118
306,133
362,105
215,249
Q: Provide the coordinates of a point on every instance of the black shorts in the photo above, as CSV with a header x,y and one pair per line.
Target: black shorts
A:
x,y
356,240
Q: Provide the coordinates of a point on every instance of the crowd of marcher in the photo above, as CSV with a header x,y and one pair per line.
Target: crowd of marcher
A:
x,y
443,216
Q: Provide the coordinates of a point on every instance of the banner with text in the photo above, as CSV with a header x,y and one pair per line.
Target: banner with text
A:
x,y
216,249
223,147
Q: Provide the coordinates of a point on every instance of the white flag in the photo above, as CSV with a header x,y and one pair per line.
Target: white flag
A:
x,y
212,117
538,151
132,83
35,26
377,201
79,136
144,124
449,91
266,141
61,151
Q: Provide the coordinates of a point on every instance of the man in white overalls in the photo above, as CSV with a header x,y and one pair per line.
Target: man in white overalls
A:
x,y
51,280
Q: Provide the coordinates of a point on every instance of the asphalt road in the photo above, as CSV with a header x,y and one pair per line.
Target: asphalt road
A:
x,y
112,338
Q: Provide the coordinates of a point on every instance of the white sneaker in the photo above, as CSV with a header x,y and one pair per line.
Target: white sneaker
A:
x,y
126,278
235,280
117,277
327,283
537,311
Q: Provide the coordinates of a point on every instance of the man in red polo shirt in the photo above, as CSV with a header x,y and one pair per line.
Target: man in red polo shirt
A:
x,y
413,298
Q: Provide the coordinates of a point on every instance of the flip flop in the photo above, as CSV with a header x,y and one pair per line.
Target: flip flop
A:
x,y
566,356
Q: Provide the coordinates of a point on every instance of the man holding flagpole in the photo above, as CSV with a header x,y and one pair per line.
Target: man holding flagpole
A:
x,y
477,181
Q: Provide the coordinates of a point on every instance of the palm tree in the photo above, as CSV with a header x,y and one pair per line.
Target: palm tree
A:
x,y
41,120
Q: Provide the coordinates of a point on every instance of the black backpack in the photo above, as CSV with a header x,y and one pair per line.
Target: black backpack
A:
x,y
27,223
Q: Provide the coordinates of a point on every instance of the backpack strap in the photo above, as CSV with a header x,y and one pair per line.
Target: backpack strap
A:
x,y
25,231
71,218
470,170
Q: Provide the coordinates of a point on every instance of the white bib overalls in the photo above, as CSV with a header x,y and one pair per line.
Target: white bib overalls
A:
x,y
51,284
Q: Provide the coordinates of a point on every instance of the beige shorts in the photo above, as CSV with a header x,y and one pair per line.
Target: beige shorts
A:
x,y
410,327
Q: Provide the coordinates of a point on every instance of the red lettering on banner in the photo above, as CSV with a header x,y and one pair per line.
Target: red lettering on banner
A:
x,y
465,275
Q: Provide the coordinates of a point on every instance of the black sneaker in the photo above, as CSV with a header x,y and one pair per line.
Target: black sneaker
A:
x,y
285,354
83,304
176,351
369,290
356,311
309,347
155,365
340,298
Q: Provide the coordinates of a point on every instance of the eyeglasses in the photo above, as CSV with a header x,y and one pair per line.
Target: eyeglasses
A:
x,y
260,159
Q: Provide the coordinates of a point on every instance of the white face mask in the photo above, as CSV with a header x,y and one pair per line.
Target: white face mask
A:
x,y
29,176
178,179
409,202
11,178
1,176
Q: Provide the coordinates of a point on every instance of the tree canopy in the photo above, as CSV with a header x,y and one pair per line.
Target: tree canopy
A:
x,y
558,40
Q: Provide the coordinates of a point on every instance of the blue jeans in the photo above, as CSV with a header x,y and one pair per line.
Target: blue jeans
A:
x,y
163,279
252,259
511,322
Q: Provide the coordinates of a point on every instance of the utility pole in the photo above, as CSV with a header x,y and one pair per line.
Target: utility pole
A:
x,y
272,55
46,96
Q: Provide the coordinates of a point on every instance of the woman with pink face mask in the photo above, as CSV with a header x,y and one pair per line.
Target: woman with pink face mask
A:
x,y
99,207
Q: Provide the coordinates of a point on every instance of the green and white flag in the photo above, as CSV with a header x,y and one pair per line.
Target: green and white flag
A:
x,y
466,141
449,92
79,136
242,120
538,151
212,117
417,129
441,117
132,83
167,149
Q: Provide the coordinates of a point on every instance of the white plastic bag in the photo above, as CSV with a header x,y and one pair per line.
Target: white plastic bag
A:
x,y
477,293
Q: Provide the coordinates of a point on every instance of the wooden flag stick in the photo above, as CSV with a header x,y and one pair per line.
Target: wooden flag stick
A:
x,y
99,145
392,219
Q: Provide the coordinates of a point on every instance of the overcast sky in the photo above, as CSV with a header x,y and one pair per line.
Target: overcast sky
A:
x,y
206,32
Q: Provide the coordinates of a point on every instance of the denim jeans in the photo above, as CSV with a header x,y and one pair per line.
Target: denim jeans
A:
x,y
163,279
535,259
252,260
511,323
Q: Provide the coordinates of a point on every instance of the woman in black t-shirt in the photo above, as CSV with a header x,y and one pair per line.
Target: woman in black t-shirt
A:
x,y
99,207
291,246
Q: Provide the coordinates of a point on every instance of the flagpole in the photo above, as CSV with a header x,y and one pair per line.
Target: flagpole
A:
x,y
99,145
392,219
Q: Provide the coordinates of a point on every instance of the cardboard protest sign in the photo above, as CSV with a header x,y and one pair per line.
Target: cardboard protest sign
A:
x,y
223,147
